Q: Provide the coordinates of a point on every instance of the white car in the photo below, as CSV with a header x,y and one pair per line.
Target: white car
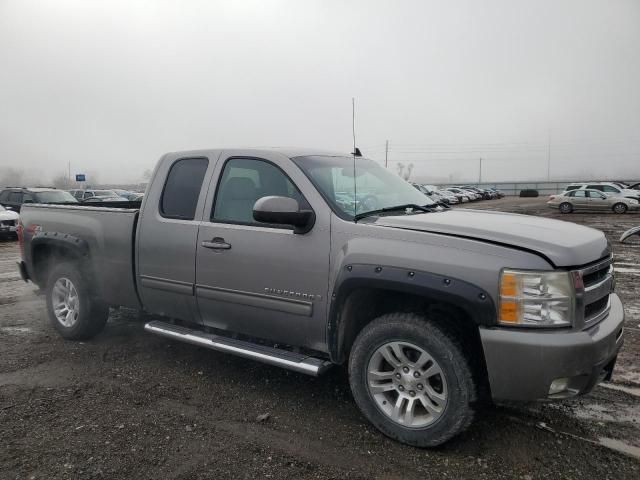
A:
x,y
605,187
8,223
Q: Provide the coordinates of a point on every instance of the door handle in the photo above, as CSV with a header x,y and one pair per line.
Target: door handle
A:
x,y
217,243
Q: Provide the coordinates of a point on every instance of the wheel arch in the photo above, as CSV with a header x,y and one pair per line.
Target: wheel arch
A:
x,y
364,292
50,248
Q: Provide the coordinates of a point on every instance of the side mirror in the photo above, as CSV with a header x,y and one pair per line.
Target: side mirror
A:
x,y
283,211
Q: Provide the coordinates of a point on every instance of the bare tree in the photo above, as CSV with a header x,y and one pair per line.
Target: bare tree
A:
x,y
407,174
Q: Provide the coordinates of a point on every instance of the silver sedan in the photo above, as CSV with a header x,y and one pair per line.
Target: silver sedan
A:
x,y
567,202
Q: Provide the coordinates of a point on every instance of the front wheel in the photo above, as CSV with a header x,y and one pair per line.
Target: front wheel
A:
x,y
620,208
73,311
411,380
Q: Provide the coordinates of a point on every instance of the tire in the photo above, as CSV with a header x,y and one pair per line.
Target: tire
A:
x,y
69,294
566,207
619,208
454,381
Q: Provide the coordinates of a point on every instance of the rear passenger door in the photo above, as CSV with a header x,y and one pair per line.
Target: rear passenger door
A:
x,y
167,234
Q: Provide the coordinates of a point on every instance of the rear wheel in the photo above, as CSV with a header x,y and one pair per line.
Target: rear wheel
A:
x,y
566,207
73,311
411,380
620,208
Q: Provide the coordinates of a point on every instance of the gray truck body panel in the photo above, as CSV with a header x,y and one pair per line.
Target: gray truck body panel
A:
x,y
273,284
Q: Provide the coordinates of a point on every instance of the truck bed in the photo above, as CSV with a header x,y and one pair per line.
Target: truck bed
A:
x,y
110,234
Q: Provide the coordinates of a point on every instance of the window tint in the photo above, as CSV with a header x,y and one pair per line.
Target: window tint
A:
x,y
182,188
15,197
4,195
572,187
580,193
596,187
610,189
243,182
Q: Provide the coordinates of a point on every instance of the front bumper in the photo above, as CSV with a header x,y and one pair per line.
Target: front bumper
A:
x,y
522,364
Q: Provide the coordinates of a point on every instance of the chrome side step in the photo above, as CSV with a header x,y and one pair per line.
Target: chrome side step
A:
x,y
273,356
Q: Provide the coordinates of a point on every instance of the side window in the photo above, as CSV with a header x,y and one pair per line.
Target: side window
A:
x,y
596,187
15,197
182,188
571,194
243,182
580,194
610,189
572,187
4,196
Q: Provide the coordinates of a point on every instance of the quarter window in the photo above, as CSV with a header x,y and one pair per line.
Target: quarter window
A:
x,y
243,182
182,188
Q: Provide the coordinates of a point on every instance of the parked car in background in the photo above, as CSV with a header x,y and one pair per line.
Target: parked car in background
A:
x,y
15,197
453,199
605,187
97,199
84,195
584,199
484,194
635,186
131,196
8,223
463,197
499,193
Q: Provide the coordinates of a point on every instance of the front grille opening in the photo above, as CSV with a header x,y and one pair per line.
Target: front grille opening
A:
x,y
596,307
595,277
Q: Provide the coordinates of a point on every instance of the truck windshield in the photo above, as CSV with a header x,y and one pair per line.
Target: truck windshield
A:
x,y
54,196
374,188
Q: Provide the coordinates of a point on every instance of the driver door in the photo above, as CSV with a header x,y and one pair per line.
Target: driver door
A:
x,y
259,279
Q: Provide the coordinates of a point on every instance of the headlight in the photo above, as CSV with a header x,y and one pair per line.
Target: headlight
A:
x,y
536,299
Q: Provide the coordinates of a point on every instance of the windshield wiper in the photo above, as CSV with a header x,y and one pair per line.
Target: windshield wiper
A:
x,y
413,206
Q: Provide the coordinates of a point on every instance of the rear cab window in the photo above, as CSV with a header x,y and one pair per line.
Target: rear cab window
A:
x,y
182,187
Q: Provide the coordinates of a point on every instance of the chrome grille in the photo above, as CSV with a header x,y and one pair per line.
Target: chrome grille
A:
x,y
593,300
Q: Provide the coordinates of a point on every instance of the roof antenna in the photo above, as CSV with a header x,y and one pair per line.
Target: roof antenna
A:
x,y
355,153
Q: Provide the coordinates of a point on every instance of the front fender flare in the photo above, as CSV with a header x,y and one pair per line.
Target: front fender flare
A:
x,y
473,300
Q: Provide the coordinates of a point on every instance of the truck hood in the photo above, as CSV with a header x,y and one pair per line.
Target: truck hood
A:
x,y
564,243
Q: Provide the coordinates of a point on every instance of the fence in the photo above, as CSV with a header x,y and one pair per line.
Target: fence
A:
x,y
513,188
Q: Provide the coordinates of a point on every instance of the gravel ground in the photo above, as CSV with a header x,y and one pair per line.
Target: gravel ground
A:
x,y
130,405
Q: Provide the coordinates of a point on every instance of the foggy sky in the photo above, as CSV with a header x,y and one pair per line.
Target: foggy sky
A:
x,y
110,86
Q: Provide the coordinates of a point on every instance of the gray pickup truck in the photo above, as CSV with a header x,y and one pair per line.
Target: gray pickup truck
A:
x,y
308,259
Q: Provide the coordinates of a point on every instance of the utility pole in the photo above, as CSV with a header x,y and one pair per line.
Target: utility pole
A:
x,y
480,173
386,154
549,155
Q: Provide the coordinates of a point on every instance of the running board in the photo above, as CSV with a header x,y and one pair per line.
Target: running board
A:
x,y
273,356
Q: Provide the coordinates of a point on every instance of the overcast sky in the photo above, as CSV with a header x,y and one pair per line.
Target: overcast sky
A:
x,y
110,86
